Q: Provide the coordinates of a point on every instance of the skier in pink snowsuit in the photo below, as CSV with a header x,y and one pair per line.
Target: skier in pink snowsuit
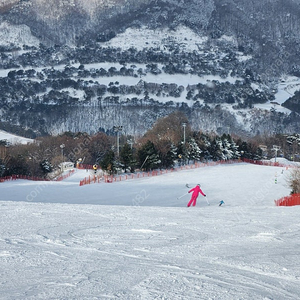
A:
x,y
196,190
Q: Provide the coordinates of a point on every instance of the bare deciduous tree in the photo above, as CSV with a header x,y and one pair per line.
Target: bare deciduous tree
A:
x,y
294,181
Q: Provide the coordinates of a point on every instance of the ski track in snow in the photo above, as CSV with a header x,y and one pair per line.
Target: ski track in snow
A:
x,y
246,249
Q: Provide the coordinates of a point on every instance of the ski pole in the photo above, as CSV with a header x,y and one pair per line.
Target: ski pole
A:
x,y
182,196
207,200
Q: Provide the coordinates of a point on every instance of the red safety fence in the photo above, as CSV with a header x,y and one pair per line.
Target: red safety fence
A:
x,y
291,200
90,179
267,163
62,177
16,177
118,178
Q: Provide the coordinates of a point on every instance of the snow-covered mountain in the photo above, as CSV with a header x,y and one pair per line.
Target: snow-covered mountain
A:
x,y
68,65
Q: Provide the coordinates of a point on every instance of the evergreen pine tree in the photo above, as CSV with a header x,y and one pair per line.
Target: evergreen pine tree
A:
x,y
194,151
182,153
226,147
126,158
46,166
258,155
244,149
204,143
217,149
170,157
108,162
234,149
148,156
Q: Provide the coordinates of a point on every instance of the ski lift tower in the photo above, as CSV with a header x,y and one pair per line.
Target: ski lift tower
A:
x,y
276,149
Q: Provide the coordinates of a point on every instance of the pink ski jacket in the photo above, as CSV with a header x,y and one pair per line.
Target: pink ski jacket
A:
x,y
196,190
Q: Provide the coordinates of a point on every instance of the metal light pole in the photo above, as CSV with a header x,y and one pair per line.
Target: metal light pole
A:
x,y
276,149
184,126
62,146
118,129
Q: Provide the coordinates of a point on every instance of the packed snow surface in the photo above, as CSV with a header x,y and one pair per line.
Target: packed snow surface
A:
x,y
13,139
135,240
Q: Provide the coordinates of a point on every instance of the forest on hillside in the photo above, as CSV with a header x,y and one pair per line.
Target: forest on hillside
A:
x,y
171,142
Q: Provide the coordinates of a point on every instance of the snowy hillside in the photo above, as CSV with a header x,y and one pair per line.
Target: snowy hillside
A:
x,y
13,139
145,38
135,240
137,77
234,67
17,35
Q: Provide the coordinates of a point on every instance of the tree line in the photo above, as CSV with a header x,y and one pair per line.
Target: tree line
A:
x,y
169,143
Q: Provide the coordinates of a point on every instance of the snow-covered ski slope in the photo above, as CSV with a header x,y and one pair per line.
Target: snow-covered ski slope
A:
x,y
14,139
135,240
